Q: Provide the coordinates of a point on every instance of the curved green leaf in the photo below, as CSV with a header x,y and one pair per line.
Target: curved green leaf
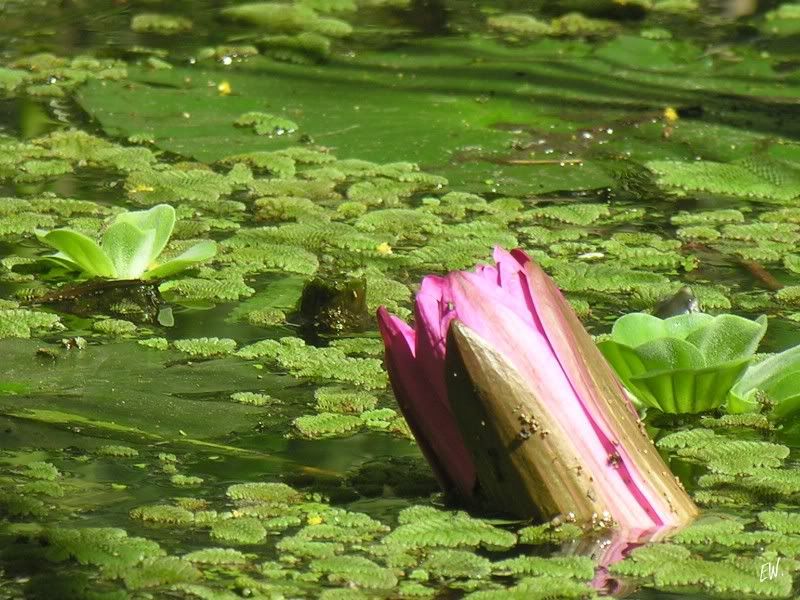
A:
x,y
687,391
81,250
668,354
160,219
129,248
194,255
728,337
681,326
637,328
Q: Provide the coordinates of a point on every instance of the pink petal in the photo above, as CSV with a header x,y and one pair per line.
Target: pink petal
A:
x,y
488,313
425,408
393,328
598,388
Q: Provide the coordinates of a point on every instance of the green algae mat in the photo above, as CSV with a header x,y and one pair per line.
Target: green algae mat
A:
x,y
229,432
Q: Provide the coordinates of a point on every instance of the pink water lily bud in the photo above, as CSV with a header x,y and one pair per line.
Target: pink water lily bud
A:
x,y
516,409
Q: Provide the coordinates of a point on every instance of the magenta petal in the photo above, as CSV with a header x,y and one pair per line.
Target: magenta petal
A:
x,y
596,385
492,316
429,416
393,327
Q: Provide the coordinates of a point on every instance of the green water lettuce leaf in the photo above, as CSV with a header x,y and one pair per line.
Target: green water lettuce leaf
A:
x,y
683,364
778,377
79,251
196,254
160,220
129,249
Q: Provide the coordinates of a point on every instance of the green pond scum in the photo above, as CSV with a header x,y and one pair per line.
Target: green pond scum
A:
x,y
268,174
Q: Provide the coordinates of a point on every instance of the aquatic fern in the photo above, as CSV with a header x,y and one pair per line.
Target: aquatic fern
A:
x,y
572,214
41,470
194,288
708,531
163,513
153,186
159,23
245,530
356,571
738,421
574,567
730,577
698,232
544,587
20,322
275,16
117,451
102,546
772,482
288,208
268,257
518,25
252,398
577,277
549,533
266,124
400,222
185,480
271,493
303,548
359,346
456,564
206,347
216,556
781,521
342,400
115,327
426,528
326,424
768,180
708,217
737,456
156,343
163,570
330,363
689,438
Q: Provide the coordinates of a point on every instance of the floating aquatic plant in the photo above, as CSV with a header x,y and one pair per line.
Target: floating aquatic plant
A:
x,y
683,364
159,23
777,378
129,249
206,347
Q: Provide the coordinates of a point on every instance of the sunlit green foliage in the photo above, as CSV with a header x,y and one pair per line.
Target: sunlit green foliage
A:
x,y
424,527
317,363
159,23
206,347
549,156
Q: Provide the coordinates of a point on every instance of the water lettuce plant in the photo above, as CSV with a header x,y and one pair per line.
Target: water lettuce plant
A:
x,y
129,248
683,364
516,409
778,377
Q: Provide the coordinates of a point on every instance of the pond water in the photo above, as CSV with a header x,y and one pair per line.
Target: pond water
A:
x,y
214,437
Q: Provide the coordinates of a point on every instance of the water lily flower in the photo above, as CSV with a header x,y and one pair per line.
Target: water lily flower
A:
x,y
514,406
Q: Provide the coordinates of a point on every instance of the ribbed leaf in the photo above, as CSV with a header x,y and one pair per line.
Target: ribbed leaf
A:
x,y
667,354
728,337
687,390
81,250
129,248
194,255
160,219
778,377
